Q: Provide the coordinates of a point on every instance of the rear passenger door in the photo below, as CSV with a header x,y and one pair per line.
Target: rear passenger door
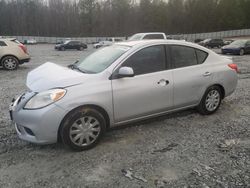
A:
x,y
191,77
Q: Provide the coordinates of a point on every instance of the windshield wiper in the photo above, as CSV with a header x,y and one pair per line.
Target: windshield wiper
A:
x,y
74,67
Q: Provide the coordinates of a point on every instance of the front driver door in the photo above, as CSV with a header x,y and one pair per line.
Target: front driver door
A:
x,y
150,91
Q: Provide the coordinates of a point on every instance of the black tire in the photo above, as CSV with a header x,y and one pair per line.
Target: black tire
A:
x,y
10,63
62,49
72,119
242,52
81,48
203,108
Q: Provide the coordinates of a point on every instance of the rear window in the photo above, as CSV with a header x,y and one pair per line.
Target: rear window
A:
x,y
2,43
16,41
153,36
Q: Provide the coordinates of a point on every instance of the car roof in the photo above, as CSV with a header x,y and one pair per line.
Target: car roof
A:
x,y
143,43
148,42
150,33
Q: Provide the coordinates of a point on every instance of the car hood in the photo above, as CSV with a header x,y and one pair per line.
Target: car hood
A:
x,y
50,75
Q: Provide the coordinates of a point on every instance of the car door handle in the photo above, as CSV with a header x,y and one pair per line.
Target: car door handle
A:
x,y
163,82
207,74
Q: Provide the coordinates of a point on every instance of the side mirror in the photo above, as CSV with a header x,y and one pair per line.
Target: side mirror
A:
x,y
126,72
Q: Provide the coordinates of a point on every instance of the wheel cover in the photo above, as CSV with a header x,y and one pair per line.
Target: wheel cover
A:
x,y
241,52
10,63
84,131
212,100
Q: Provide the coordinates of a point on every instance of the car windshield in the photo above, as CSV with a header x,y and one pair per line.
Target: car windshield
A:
x,y
136,37
101,59
238,43
206,40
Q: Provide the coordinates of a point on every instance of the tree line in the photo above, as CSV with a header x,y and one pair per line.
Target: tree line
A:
x,y
88,18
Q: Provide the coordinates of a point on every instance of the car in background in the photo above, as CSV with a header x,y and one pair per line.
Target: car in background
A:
x,y
238,47
70,45
198,40
30,41
106,42
228,41
120,84
148,36
12,54
212,43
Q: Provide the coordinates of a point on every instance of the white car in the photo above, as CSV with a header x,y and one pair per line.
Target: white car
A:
x,y
120,84
148,36
106,42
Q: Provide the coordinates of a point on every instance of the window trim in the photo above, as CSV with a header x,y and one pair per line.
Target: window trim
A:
x,y
166,64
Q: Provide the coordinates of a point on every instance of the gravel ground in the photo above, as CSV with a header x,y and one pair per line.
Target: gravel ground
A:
x,y
182,149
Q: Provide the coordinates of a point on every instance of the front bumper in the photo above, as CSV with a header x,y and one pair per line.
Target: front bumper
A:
x,y
37,126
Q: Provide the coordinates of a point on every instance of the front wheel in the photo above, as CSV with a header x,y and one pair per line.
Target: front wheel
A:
x,y
242,52
83,129
210,101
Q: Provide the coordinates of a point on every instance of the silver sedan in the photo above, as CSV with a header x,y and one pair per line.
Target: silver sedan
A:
x,y
119,84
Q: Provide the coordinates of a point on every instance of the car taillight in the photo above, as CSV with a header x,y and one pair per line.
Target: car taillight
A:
x,y
234,67
23,48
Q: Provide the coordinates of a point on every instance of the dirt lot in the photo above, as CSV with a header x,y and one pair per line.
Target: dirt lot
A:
x,y
183,149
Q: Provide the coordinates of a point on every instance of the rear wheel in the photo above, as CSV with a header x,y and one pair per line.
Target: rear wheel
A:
x,y
210,101
83,129
81,48
10,63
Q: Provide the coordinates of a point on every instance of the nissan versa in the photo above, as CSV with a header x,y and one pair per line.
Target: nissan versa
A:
x,y
115,85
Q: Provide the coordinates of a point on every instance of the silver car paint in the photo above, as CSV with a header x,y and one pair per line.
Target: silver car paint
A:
x,y
126,99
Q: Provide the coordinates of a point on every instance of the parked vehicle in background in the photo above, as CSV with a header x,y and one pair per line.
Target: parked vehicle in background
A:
x,y
147,36
198,40
238,47
118,84
212,43
30,41
106,42
12,54
228,41
71,44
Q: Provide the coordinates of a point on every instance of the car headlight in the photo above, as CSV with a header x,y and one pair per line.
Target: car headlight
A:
x,y
45,98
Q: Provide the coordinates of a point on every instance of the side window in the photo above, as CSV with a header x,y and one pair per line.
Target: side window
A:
x,y
183,56
153,36
201,56
2,43
147,60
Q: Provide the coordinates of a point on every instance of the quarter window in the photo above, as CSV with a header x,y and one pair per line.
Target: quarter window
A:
x,y
183,56
147,60
201,56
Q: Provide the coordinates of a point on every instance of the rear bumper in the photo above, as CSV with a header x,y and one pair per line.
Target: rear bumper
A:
x,y
24,61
